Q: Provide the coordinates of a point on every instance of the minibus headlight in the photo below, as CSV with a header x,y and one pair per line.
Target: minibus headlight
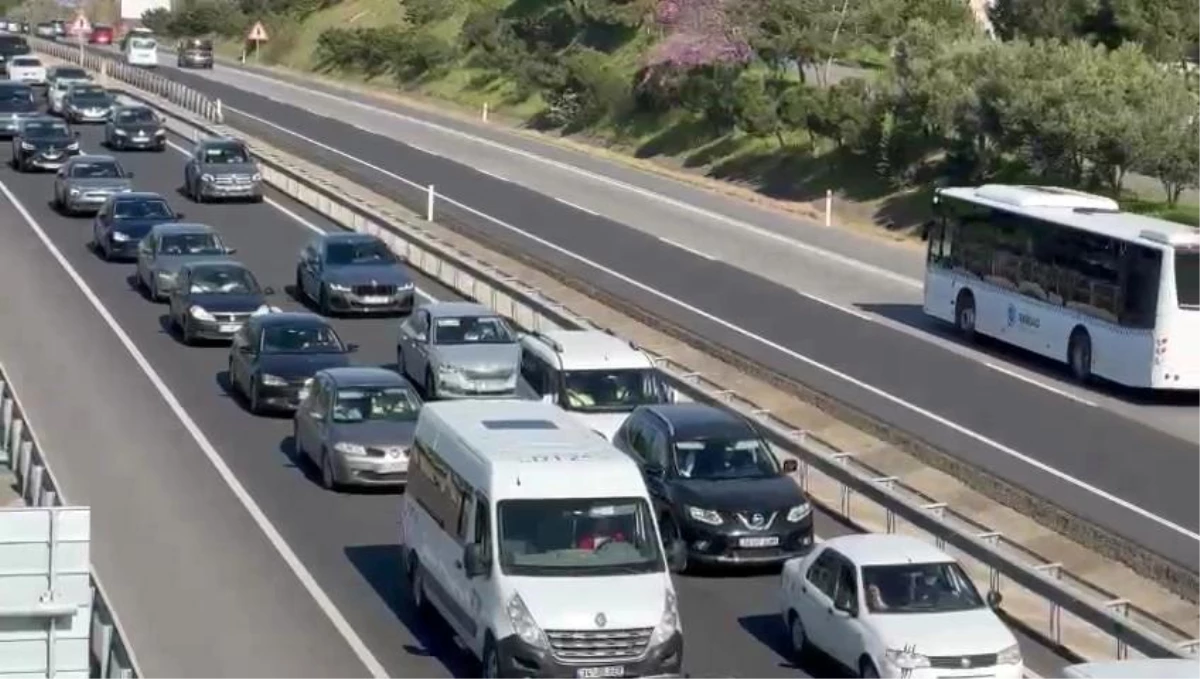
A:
x,y
669,625
524,624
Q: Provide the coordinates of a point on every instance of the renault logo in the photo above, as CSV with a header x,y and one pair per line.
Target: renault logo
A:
x,y
966,662
601,621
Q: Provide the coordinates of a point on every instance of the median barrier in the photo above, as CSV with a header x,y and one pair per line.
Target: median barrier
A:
x,y
1044,598
72,617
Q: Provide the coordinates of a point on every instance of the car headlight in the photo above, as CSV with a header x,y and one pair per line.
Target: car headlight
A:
x,y
273,381
166,276
669,625
257,177
905,659
73,146
73,192
27,146
347,448
304,389
799,512
121,133
339,287
1010,656
524,624
200,313
264,309
206,177
405,286
708,516
160,132
119,237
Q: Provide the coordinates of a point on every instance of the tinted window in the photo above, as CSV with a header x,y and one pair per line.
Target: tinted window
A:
x,y
224,154
143,43
471,330
45,129
191,244
358,252
611,390
143,209
724,458
95,169
71,74
301,338
390,404
86,90
26,61
437,489
227,280
136,115
823,572
1187,278
535,372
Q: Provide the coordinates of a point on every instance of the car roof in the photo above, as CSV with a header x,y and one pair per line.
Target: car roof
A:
x,y
288,317
444,309
590,350
13,85
215,262
881,549
138,195
364,376
131,107
699,420
182,227
214,141
348,237
92,158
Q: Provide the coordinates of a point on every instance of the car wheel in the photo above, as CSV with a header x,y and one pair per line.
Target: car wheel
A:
x,y
1079,355
300,294
866,668
416,589
671,534
328,479
400,367
152,290
323,303
297,451
797,636
430,385
197,193
186,332
491,660
105,251
253,399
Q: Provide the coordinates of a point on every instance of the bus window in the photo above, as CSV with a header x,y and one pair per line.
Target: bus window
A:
x,y
1187,278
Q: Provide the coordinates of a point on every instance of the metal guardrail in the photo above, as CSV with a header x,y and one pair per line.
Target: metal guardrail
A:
x,y
19,450
1004,561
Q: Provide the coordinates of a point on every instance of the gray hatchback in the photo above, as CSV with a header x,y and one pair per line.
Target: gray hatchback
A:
x,y
85,182
357,424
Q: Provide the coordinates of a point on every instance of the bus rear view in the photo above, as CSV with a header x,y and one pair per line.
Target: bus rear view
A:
x,y
1067,275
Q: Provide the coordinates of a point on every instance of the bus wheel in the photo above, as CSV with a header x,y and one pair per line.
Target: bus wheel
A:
x,y
964,314
1079,355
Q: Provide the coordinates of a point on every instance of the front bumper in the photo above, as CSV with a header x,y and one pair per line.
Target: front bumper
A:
x,y
518,659
215,190
723,545
43,161
88,200
218,331
122,249
282,397
88,116
127,141
500,389
347,301
199,62
996,672
361,470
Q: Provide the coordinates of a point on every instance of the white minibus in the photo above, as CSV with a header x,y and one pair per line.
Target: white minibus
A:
x,y
1067,275
536,541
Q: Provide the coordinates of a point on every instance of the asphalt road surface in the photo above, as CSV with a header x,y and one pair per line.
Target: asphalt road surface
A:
x,y
200,587
845,321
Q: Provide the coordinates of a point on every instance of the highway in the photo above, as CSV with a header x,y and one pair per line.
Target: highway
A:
x,y
836,311
142,431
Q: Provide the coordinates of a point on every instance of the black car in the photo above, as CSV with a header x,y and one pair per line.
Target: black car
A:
x,y
135,127
43,143
124,220
344,272
12,46
213,299
717,485
273,358
17,102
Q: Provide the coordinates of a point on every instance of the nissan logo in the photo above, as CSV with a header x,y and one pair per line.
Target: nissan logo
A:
x,y
757,519
966,662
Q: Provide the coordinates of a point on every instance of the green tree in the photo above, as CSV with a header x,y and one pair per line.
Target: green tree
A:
x,y
1166,29
756,107
1032,19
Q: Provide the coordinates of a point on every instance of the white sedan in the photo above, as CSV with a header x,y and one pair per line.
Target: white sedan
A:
x,y
894,606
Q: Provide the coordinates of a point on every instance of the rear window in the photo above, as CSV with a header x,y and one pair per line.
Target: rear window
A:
x,y
1187,277
198,44
26,61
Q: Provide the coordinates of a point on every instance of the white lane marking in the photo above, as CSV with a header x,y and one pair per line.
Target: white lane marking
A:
x,y
575,206
834,372
646,193
256,513
493,175
687,249
1042,385
299,219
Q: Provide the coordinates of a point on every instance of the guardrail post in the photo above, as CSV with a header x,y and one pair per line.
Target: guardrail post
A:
x,y
889,521
220,113
992,538
938,509
1053,570
1119,607
430,196
842,458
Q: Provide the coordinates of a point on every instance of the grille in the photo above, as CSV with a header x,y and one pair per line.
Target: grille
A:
x,y
757,521
231,318
378,290
233,179
489,374
962,662
385,451
599,645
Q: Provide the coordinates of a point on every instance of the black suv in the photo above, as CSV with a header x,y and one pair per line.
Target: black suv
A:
x,y
43,143
717,485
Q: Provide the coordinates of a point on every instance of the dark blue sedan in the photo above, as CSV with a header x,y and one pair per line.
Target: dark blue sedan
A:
x,y
125,219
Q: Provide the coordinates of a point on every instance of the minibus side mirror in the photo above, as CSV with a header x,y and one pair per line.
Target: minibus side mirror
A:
x,y
676,555
475,563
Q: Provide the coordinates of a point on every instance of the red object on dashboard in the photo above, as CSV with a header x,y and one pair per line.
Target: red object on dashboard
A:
x,y
101,35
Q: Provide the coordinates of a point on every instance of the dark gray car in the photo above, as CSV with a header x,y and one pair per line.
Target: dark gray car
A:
x,y
86,182
353,272
168,247
213,299
357,424
87,103
222,168
459,350
17,102
135,127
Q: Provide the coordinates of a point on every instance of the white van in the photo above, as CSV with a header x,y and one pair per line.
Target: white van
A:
x,y
537,542
597,376
142,50
1139,668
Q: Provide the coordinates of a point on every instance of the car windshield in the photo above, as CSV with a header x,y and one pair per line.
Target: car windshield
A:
x,y
301,338
1187,277
919,588
724,458
225,154
223,280
136,115
96,169
26,61
45,129
611,390
388,404
471,330
143,209
96,97
191,244
358,252
143,43
71,74
17,99
577,537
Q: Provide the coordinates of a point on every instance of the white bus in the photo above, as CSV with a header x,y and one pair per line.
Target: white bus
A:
x,y
141,50
1067,275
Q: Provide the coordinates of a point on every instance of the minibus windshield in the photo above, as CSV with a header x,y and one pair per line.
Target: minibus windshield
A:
x,y
578,537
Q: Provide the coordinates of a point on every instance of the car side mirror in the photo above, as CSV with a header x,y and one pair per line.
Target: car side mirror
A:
x,y
475,562
76,134
994,597
246,350
548,398
268,291
654,470
230,251
351,348
179,215
421,337
846,607
676,555
790,466
129,175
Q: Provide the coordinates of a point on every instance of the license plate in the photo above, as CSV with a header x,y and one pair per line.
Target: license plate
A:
x,y
758,542
229,327
609,671
392,467
376,299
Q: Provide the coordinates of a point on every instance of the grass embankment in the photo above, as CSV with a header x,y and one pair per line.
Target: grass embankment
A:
x,y
793,177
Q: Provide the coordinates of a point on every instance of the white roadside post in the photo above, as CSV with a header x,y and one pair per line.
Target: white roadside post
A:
x,y
828,207
485,111
429,198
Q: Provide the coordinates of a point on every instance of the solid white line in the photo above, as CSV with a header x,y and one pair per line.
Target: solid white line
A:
x,y
1037,383
677,204
834,372
493,175
687,249
299,219
576,207
260,518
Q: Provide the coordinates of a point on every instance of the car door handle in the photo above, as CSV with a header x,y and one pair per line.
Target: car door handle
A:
x,y
458,565
804,590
